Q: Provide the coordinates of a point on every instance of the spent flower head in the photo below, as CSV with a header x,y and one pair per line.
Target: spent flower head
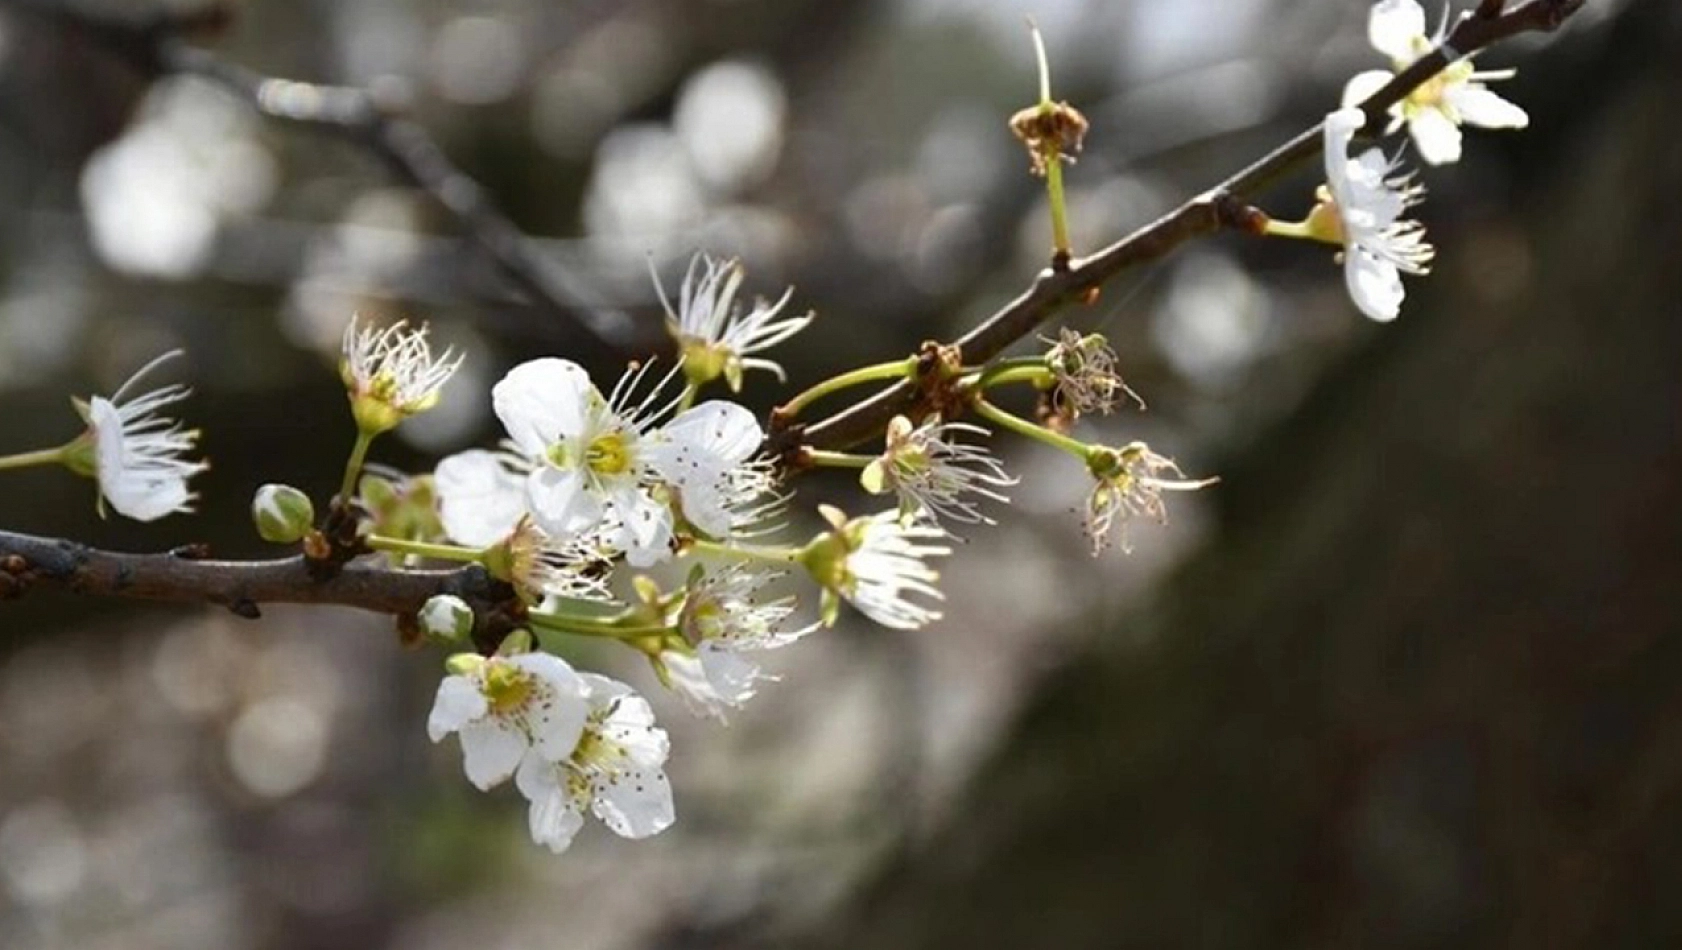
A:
x,y
879,564
1361,208
1435,110
930,471
505,708
1130,483
615,771
716,337
392,373
1084,369
135,454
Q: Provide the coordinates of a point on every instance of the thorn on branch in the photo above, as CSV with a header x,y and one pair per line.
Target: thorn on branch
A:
x,y
1490,9
196,551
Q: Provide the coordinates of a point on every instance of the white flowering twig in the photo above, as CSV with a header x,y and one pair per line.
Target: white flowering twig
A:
x,y
1219,207
547,531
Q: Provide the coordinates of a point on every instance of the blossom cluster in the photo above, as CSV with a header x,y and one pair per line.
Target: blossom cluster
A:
x,y
641,514
1362,203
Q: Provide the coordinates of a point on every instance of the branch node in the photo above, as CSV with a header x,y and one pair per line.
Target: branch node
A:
x,y
245,607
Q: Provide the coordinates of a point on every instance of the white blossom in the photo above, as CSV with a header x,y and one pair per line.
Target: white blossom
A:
x,y
932,472
714,335
1435,110
1129,484
506,708
595,458
724,616
543,565
392,373
615,771
878,563
136,454
1361,208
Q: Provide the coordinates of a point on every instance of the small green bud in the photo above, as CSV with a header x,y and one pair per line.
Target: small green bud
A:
x,y
464,664
446,619
283,514
516,643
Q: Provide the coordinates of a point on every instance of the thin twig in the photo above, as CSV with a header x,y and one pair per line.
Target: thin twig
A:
x,y
155,47
1052,290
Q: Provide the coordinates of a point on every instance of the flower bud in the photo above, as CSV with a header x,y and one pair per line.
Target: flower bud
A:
x,y
283,514
445,619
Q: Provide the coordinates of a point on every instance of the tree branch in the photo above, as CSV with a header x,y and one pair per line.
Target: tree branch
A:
x,y
155,46
1054,289
27,561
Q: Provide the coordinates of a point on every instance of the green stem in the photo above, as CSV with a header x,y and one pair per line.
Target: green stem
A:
x,y
1059,214
687,400
583,627
825,459
29,459
353,467
1290,229
440,552
1034,371
747,552
1039,433
864,374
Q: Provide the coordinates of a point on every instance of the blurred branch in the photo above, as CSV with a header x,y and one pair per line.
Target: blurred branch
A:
x,y
240,586
1056,288
156,46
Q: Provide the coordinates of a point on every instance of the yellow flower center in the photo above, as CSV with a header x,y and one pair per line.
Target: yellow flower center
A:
x,y
609,454
506,688
1430,93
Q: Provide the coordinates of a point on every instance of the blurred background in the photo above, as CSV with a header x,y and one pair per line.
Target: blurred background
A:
x,y
1410,676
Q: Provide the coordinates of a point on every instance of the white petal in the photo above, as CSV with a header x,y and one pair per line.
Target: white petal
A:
x,y
554,817
1480,107
490,752
541,401
1362,85
559,501
688,678
603,690
1436,136
558,721
647,527
458,703
733,676
479,499
1374,285
538,777
1394,27
145,497
554,821
635,803
724,430
1340,128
